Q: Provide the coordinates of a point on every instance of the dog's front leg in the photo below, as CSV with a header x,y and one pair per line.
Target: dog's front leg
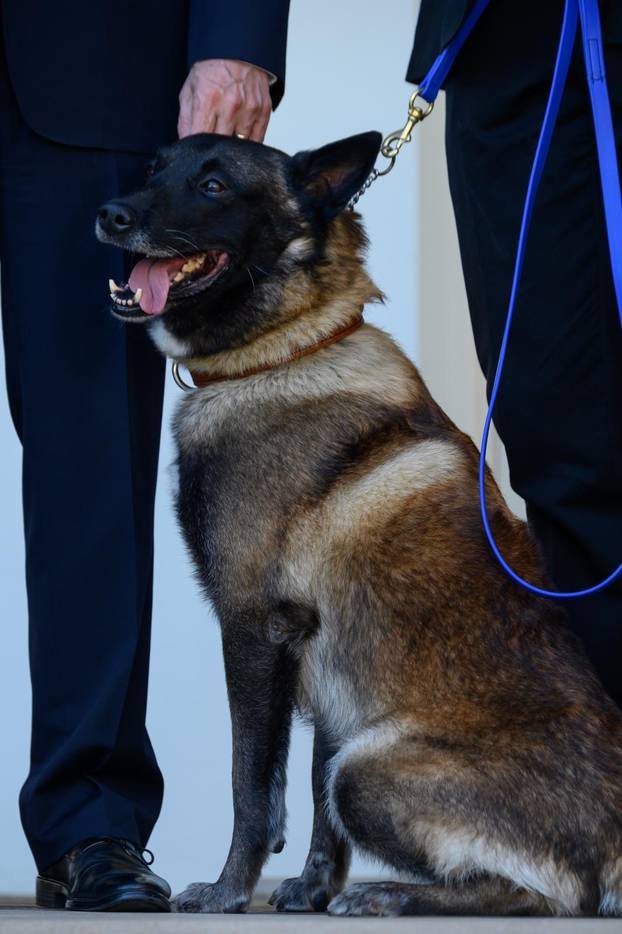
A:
x,y
260,685
328,861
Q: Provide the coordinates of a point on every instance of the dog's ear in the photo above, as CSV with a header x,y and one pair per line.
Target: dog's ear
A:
x,y
331,175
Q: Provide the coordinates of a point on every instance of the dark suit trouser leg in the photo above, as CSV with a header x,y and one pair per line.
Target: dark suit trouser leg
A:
x,y
85,395
560,407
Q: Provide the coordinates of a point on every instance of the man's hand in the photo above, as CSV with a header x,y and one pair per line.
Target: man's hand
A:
x,y
225,96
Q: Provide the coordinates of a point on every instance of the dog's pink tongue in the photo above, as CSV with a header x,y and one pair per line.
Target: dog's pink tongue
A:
x,y
153,276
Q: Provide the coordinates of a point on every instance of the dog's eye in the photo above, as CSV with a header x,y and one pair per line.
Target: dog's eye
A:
x,y
212,186
150,168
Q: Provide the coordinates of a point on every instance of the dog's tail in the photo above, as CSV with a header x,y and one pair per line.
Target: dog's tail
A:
x,y
611,889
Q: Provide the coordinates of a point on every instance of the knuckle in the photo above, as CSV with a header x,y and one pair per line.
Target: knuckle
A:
x,y
236,102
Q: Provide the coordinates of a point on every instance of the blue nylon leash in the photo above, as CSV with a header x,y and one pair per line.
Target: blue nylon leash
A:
x,y
587,11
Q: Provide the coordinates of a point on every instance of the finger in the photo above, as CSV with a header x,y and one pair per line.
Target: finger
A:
x,y
244,122
259,127
225,123
243,127
184,120
204,116
262,107
232,112
249,116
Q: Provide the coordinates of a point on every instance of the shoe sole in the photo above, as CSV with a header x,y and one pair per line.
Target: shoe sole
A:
x,y
54,895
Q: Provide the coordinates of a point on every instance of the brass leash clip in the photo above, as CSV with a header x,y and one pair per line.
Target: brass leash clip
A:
x,y
393,143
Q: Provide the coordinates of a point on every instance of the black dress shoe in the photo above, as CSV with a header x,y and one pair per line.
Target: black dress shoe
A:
x,y
103,875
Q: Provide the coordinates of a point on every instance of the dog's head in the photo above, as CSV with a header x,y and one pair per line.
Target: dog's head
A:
x,y
220,218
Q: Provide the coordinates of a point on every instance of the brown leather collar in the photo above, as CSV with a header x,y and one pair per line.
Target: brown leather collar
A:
x,y
201,379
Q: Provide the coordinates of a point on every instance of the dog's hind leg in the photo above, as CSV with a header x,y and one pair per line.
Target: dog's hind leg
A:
x,y
485,896
327,863
421,805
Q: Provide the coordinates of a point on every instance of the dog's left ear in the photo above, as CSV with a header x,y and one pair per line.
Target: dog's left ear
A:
x,y
331,175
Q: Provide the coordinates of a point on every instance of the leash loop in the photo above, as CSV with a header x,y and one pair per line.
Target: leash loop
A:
x,y
585,11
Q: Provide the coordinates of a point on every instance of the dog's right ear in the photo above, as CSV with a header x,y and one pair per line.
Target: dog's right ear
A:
x,y
330,176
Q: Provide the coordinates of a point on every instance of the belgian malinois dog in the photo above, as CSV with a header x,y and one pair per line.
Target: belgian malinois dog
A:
x,y
331,510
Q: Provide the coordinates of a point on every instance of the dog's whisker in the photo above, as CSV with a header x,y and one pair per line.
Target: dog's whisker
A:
x,y
251,277
180,235
169,246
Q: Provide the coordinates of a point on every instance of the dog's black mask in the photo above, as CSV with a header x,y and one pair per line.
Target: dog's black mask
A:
x,y
218,213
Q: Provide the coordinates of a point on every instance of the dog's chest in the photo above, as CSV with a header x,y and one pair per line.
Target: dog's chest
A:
x,y
222,509
242,476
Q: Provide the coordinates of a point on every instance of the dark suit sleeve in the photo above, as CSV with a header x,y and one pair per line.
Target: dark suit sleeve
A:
x,y
439,20
252,31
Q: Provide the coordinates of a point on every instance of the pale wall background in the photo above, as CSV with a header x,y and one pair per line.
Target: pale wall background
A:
x,y
346,66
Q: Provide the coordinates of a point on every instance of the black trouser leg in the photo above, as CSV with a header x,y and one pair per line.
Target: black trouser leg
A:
x,y
85,395
559,412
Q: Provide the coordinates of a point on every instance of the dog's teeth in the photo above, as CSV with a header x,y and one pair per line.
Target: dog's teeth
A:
x,y
194,263
137,296
112,285
178,277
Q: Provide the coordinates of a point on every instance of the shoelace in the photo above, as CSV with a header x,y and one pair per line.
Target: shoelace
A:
x,y
145,856
149,861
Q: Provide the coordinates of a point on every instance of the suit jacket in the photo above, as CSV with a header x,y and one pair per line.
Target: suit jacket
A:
x,y
107,73
439,20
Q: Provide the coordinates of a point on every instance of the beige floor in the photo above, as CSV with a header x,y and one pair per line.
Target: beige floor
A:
x,y
18,916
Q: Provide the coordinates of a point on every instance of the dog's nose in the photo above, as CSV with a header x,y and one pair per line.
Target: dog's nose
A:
x,y
116,217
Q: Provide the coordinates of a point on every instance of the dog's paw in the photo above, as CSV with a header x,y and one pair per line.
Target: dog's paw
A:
x,y
291,895
368,898
206,897
312,891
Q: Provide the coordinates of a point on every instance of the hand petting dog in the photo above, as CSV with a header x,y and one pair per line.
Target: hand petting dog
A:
x,y
225,96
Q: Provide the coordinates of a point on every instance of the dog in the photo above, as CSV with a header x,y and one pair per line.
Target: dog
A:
x,y
331,510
